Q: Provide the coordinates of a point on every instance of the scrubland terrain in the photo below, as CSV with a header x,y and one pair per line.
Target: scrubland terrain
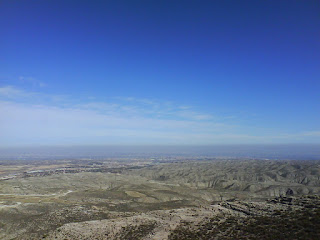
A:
x,y
212,199
258,178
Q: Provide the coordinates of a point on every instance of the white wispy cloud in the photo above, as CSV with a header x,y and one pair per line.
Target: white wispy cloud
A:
x,y
312,133
13,93
25,118
33,81
38,118
194,115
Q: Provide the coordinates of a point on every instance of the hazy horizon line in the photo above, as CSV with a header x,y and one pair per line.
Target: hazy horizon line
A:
x,y
158,145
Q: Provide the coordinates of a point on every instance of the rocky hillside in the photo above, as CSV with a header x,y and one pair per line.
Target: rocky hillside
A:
x,y
261,177
279,218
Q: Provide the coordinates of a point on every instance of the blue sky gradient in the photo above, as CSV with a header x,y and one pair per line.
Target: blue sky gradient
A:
x,y
159,72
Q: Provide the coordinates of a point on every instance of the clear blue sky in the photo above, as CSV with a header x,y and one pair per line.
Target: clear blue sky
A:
x,y
159,72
